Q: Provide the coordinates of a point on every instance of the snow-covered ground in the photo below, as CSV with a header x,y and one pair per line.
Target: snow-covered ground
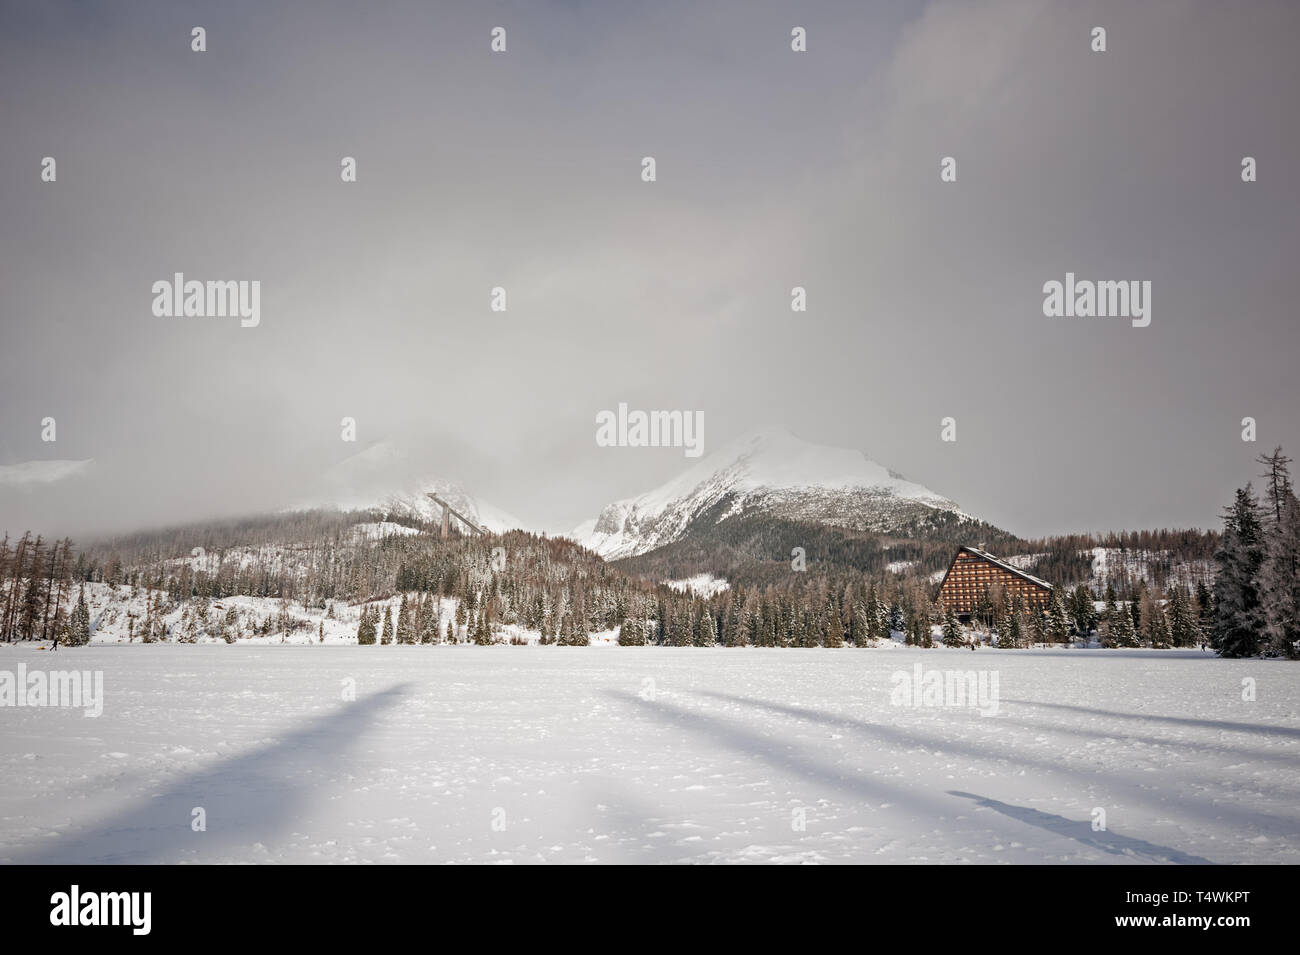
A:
x,y
550,754
117,614
1110,564
702,585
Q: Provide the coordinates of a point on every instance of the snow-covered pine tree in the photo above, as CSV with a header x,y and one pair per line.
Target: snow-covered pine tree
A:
x,y
1280,572
922,609
79,623
1183,627
952,636
1057,625
631,634
1238,612
1015,627
1083,612
1280,584
863,635
1107,629
834,627
1157,624
483,632
419,607
896,622
705,633
404,622
1002,624
387,635
1129,635
1204,609
366,629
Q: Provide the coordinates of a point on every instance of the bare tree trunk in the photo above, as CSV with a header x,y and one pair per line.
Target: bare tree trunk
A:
x,y
49,590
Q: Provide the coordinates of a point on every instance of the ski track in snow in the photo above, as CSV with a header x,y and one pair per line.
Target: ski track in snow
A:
x,y
571,750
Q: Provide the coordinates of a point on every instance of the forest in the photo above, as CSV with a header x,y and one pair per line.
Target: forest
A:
x,y
850,588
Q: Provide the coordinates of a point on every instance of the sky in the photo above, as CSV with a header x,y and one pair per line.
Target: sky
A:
x,y
523,170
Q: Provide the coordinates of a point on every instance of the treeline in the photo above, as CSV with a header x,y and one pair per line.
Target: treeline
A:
x,y
847,588
35,583
1149,616
548,585
756,549
1162,555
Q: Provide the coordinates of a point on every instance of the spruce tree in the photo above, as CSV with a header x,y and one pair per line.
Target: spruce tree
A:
x,y
1183,628
1015,627
1157,624
1238,613
1083,612
79,624
1204,609
404,622
631,634
366,630
1279,579
1109,620
1125,634
952,635
1057,625
483,633
705,634
834,627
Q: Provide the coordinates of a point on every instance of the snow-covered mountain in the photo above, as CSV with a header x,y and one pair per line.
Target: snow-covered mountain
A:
x,y
389,477
770,472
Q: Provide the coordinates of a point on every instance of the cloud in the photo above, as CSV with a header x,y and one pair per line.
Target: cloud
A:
x,y
28,474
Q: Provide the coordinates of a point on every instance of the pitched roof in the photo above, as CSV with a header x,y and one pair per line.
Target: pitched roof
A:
x,y
997,562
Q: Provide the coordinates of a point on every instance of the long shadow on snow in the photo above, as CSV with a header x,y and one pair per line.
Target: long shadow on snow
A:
x,y
787,758
760,747
1110,842
1221,725
911,737
248,799
901,735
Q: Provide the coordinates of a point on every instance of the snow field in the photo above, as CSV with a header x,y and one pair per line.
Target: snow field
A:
x,y
550,754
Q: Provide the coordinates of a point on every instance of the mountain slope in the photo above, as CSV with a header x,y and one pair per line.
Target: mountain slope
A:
x,y
388,477
770,472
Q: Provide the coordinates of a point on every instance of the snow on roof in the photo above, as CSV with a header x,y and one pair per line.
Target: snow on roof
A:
x,y
998,562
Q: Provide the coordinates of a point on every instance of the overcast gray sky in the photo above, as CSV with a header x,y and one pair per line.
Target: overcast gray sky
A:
x,y
522,170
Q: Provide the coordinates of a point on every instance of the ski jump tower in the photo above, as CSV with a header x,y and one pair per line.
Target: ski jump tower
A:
x,y
448,511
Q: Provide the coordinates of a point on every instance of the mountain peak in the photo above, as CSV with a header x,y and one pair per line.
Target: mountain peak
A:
x,y
395,477
771,470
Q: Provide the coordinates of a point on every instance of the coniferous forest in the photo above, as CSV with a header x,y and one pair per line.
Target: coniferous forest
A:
x,y
1236,592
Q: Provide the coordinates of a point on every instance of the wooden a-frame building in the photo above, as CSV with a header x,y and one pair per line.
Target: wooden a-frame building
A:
x,y
973,573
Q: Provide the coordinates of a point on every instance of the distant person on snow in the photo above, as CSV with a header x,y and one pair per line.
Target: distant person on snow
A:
x,y
56,644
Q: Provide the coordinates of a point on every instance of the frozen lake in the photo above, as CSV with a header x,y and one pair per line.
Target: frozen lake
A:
x,y
547,754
